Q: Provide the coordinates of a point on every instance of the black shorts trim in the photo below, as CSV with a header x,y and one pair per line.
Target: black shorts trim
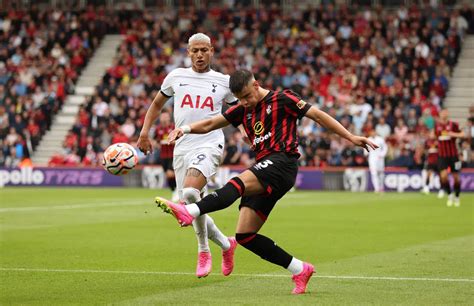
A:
x,y
167,164
432,167
277,174
453,164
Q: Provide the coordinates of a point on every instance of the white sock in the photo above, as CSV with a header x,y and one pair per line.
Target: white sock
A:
x,y
200,228
296,266
193,210
216,235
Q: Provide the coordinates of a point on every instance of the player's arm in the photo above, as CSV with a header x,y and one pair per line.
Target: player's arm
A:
x,y
144,143
245,137
199,127
460,134
332,124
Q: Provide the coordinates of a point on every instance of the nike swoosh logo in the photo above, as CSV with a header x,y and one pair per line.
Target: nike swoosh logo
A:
x,y
183,84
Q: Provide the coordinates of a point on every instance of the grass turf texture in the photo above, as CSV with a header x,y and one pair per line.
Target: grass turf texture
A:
x,y
96,246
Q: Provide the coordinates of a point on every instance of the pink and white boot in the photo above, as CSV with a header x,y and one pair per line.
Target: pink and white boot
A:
x,y
301,280
204,264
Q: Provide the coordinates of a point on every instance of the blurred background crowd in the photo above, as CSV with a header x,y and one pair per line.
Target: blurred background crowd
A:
x,y
378,69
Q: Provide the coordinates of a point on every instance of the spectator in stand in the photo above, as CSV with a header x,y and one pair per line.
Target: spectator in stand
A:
x,y
401,66
233,150
40,60
382,129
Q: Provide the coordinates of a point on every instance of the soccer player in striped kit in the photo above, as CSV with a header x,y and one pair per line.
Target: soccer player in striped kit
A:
x,y
447,132
270,120
431,163
163,129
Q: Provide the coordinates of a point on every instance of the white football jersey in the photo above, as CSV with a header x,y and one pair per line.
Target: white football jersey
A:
x,y
197,96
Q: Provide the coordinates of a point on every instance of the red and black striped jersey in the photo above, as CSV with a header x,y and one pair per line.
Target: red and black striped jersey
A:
x,y
161,135
446,143
431,146
271,125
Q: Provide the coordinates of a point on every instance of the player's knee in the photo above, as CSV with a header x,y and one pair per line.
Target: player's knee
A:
x,y
190,195
244,238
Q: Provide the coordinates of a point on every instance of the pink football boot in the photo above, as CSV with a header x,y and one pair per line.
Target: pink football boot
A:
x,y
228,257
204,264
301,280
177,210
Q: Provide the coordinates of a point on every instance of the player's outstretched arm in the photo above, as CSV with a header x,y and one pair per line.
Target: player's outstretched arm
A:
x,y
460,134
144,143
199,127
332,124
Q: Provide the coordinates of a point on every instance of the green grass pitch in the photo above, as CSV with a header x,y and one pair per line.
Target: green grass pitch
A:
x,y
113,246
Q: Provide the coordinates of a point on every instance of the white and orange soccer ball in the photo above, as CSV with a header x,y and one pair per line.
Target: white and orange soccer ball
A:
x,y
120,158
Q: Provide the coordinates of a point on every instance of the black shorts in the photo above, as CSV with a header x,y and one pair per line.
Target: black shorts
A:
x,y
432,167
277,174
453,163
167,164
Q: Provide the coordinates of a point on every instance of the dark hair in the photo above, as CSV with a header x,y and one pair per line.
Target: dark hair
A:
x,y
239,79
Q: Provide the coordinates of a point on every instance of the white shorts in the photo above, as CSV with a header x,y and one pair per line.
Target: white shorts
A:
x,y
206,160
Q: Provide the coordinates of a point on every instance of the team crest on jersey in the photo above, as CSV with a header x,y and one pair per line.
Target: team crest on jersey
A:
x,y
258,128
214,87
300,104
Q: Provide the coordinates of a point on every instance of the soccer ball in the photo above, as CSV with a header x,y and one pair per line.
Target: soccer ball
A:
x,y
119,158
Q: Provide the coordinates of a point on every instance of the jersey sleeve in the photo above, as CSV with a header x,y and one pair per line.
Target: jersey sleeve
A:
x,y
167,86
235,115
456,127
294,102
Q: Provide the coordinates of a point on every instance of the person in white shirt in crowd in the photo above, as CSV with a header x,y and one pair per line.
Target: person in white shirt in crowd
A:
x,y
376,159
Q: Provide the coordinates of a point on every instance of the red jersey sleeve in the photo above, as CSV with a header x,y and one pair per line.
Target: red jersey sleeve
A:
x,y
295,103
234,115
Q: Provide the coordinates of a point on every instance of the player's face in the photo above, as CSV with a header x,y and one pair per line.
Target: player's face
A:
x,y
249,96
200,54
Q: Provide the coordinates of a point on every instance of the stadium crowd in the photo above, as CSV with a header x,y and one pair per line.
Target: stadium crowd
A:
x,y
41,56
370,68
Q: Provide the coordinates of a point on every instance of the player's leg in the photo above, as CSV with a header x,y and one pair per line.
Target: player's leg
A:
x,y
443,176
277,168
249,223
452,168
194,181
186,194
426,173
244,184
202,166
208,168
381,177
170,177
457,182
375,178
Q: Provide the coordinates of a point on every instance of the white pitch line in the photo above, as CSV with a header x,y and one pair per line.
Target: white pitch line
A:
x,y
465,280
72,206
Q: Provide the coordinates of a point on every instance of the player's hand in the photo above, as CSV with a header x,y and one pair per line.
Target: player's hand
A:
x,y
175,135
246,139
144,144
364,143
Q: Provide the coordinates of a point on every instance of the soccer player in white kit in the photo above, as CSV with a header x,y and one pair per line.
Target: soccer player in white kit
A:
x,y
376,160
199,93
